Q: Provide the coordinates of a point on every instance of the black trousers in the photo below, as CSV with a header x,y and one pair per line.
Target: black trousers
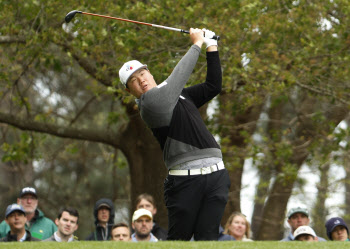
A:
x,y
196,204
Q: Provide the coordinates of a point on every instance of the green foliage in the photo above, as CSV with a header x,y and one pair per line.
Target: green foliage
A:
x,y
20,151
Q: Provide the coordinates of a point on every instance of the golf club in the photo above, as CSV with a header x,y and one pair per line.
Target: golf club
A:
x,y
71,15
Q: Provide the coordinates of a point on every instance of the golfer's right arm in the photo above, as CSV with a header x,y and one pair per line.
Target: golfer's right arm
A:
x,y
167,93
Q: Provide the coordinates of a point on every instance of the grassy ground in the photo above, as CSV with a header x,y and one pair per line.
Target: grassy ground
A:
x,y
177,245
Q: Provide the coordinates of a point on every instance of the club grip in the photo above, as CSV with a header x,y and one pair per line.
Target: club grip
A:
x,y
215,37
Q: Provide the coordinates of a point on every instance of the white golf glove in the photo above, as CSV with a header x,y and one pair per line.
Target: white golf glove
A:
x,y
207,38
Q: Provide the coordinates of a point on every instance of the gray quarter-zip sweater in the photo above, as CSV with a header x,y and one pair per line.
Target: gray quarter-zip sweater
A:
x,y
171,111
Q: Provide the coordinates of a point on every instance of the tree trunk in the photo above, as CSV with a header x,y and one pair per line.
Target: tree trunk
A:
x,y
146,165
236,130
262,190
346,164
319,211
274,210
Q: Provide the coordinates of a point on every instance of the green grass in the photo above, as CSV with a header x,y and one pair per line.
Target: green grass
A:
x,y
177,245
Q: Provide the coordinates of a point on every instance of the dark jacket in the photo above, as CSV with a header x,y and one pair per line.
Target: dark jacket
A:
x,y
13,237
224,237
100,232
158,232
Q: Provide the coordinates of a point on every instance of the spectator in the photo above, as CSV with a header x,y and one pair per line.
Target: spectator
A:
x,y
305,233
39,226
67,223
120,232
104,220
337,229
142,222
146,201
15,217
238,227
298,217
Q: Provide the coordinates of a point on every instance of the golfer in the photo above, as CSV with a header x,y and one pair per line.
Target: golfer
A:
x,y
197,185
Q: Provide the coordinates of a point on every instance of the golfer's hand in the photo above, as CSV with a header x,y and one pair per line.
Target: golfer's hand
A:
x,y
197,37
212,43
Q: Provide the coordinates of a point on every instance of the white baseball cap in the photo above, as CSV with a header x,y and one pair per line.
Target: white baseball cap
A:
x,y
141,212
128,69
304,230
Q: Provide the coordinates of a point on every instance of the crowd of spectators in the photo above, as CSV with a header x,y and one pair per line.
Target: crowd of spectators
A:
x,y
25,222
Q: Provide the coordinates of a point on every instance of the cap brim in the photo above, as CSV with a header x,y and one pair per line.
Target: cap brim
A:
x,y
18,210
300,212
337,225
138,217
103,205
29,193
304,234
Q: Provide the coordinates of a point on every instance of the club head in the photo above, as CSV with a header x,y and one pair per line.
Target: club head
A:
x,y
71,15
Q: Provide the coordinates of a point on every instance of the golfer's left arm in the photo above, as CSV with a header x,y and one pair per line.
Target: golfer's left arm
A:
x,y
204,92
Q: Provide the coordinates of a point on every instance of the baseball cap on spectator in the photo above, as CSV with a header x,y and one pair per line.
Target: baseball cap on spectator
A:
x,y
28,190
104,205
297,210
332,223
12,208
141,212
304,230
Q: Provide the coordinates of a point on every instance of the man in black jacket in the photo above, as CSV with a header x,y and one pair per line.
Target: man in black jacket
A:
x,y
15,217
104,220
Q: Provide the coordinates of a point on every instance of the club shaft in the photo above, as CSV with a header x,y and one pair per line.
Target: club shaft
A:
x,y
117,18
137,22
143,23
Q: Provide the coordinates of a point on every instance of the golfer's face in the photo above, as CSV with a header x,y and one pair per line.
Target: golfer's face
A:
x,y
140,82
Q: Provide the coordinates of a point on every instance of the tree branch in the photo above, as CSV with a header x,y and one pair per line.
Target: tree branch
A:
x,y
12,39
322,92
82,110
93,135
86,64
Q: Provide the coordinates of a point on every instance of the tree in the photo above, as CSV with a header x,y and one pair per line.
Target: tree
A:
x,y
286,87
